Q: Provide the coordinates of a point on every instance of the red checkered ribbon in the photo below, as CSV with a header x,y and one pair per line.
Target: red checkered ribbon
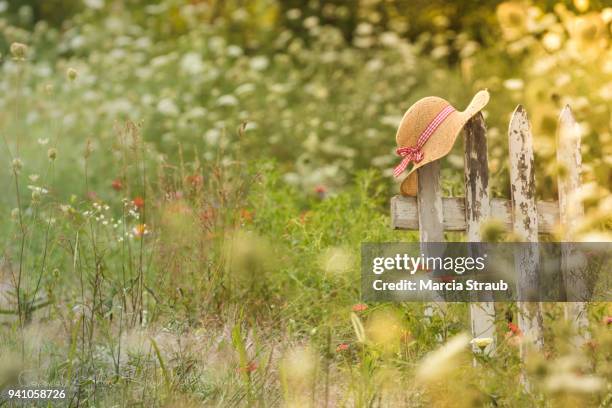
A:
x,y
414,153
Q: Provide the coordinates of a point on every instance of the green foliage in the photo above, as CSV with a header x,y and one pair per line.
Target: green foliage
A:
x,y
189,183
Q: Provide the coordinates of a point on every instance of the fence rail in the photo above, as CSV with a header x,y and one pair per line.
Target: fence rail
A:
x,y
431,214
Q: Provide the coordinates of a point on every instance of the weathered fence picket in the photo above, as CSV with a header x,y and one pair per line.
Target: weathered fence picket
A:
x,y
477,211
432,214
525,225
569,161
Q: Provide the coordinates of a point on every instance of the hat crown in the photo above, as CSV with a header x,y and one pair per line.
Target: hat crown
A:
x,y
417,118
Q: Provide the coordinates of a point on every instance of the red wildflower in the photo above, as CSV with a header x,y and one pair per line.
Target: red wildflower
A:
x,y
117,184
138,202
359,307
514,329
342,347
607,320
321,191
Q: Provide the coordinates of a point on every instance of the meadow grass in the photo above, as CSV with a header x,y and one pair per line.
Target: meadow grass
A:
x,y
182,219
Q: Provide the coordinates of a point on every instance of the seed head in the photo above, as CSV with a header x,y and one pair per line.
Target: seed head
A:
x,y
52,153
72,74
17,165
19,50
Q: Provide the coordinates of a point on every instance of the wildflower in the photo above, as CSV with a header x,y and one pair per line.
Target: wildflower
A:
x,y
321,191
17,165
52,153
117,185
140,230
481,342
71,74
138,202
227,100
342,347
167,107
15,213
514,84
246,215
514,329
607,320
360,307
259,63
18,50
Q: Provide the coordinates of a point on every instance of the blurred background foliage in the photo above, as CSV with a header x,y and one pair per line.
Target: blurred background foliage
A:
x,y
323,84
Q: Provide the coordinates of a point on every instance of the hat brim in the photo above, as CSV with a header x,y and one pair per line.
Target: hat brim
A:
x,y
444,139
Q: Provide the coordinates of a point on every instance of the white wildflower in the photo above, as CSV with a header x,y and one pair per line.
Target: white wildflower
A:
x,y
259,63
192,64
227,100
167,107
514,84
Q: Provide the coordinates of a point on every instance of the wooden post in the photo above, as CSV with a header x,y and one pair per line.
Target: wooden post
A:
x,y
525,225
477,211
429,199
430,214
571,212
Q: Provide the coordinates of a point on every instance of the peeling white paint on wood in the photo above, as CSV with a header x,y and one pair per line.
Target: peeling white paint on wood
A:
x,y
525,224
571,212
478,211
404,213
430,214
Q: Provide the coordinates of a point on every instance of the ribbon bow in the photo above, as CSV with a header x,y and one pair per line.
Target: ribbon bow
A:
x,y
410,154
414,153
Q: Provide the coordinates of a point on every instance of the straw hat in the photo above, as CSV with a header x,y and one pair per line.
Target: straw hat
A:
x,y
428,131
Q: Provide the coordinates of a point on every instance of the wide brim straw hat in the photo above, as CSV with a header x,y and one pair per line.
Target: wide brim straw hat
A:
x,y
428,132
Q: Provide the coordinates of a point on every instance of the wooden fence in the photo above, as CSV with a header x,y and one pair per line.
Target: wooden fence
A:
x,y
432,214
